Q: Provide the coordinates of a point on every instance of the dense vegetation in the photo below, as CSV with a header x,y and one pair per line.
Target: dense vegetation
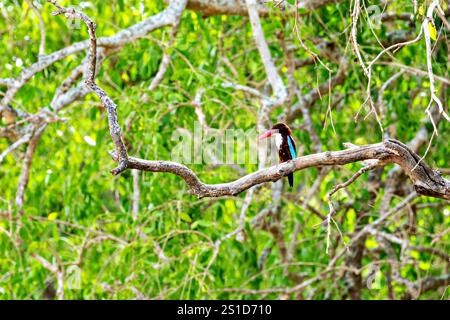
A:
x,y
101,243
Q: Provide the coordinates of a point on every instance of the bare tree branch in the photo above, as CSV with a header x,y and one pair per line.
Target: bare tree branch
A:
x,y
25,173
57,271
24,139
41,27
166,55
426,181
426,30
237,7
136,194
114,128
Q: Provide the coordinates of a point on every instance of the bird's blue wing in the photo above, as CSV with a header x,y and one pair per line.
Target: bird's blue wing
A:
x,y
291,147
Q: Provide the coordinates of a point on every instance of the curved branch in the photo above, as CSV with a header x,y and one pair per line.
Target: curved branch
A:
x,y
114,128
237,7
426,181
41,27
25,172
166,54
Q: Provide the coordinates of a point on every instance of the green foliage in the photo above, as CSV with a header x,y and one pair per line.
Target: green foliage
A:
x,y
78,215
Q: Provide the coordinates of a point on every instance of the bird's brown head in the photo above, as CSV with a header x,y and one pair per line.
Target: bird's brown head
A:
x,y
280,128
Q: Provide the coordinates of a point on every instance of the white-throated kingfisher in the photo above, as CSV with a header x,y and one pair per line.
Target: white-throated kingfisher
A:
x,y
285,144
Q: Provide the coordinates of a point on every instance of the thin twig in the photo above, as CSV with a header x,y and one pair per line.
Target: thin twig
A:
x,y
334,190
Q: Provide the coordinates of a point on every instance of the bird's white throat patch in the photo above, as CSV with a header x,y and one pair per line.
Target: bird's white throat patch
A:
x,y
278,140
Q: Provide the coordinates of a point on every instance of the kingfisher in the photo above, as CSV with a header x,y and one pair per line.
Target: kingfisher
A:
x,y
285,144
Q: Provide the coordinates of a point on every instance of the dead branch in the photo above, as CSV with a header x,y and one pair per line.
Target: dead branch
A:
x,y
57,271
25,173
426,181
166,55
278,88
355,17
114,128
41,27
24,139
237,7
426,30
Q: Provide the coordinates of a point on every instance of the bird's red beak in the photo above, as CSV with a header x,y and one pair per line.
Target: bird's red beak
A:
x,y
265,135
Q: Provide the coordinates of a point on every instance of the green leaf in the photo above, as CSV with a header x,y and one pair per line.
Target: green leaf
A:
x,y
371,243
421,10
185,217
432,30
424,265
52,216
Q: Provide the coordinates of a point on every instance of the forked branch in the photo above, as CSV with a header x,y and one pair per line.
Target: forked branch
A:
x,y
426,181
114,128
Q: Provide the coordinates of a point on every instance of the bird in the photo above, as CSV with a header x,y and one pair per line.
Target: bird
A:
x,y
285,143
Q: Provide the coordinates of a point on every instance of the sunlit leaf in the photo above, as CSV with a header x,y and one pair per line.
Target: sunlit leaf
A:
x,y
52,216
432,30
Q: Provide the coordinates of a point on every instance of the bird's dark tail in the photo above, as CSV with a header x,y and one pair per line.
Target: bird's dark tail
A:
x,y
291,179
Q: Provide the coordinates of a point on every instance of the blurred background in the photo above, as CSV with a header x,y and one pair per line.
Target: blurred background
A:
x,y
77,232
